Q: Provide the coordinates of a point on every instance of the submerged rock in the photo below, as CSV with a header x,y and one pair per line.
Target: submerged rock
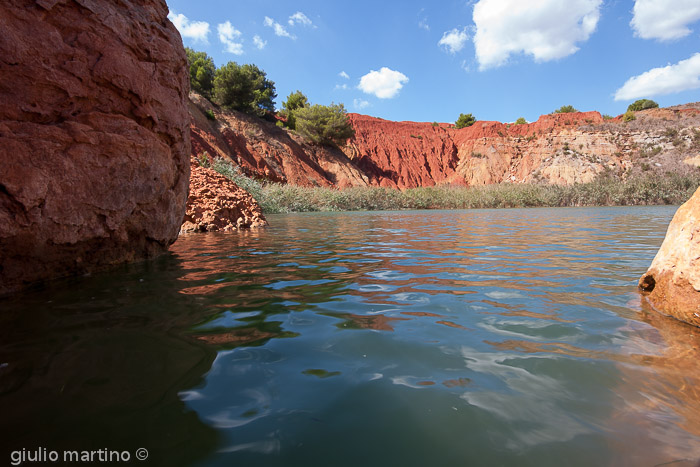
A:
x,y
672,283
94,143
218,204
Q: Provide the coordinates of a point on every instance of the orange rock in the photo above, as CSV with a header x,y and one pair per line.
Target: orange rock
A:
x,y
672,283
94,144
218,204
561,149
402,154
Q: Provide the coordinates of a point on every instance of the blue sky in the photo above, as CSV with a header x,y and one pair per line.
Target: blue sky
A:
x,y
431,61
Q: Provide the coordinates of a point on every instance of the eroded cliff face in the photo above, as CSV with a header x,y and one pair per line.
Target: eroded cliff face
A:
x,y
94,146
402,154
263,150
559,149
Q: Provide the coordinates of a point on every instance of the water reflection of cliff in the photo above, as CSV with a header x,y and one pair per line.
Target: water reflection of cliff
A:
x,y
658,411
111,363
98,362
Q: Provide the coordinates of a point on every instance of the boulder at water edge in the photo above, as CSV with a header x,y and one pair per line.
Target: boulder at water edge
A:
x,y
94,141
218,204
672,283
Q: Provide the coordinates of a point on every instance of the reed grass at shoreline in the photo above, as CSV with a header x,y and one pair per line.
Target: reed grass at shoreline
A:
x,y
607,190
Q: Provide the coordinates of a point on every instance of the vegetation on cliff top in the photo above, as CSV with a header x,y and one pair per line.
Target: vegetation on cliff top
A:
x,y
642,104
244,88
321,124
464,121
201,72
238,87
565,109
324,124
296,100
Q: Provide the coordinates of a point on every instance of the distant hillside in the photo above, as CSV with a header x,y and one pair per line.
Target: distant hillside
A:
x,y
558,148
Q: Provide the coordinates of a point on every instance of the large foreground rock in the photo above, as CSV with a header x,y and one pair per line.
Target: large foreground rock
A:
x,y
672,283
94,144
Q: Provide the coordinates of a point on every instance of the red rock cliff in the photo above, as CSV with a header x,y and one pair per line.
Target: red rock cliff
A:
x,y
557,148
265,151
402,154
94,148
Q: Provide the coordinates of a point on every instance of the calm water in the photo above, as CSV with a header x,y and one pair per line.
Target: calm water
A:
x,y
433,338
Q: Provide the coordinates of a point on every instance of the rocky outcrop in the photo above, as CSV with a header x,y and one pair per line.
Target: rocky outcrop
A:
x,y
558,148
216,203
672,283
94,148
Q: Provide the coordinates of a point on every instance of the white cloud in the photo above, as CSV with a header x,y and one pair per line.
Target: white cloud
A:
x,y
664,19
423,20
341,86
384,84
228,35
454,40
545,29
258,42
342,74
299,18
670,79
360,104
278,28
195,30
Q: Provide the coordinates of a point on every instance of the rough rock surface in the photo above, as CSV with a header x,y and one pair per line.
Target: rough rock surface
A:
x,y
402,154
557,148
94,149
263,150
672,283
216,203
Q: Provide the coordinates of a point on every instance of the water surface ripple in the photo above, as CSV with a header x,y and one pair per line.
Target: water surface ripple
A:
x,y
484,337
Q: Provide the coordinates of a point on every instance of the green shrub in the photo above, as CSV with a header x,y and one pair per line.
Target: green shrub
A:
x,y
324,124
210,114
244,88
296,100
642,104
464,121
565,109
628,116
202,71
607,117
521,121
434,124
203,159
